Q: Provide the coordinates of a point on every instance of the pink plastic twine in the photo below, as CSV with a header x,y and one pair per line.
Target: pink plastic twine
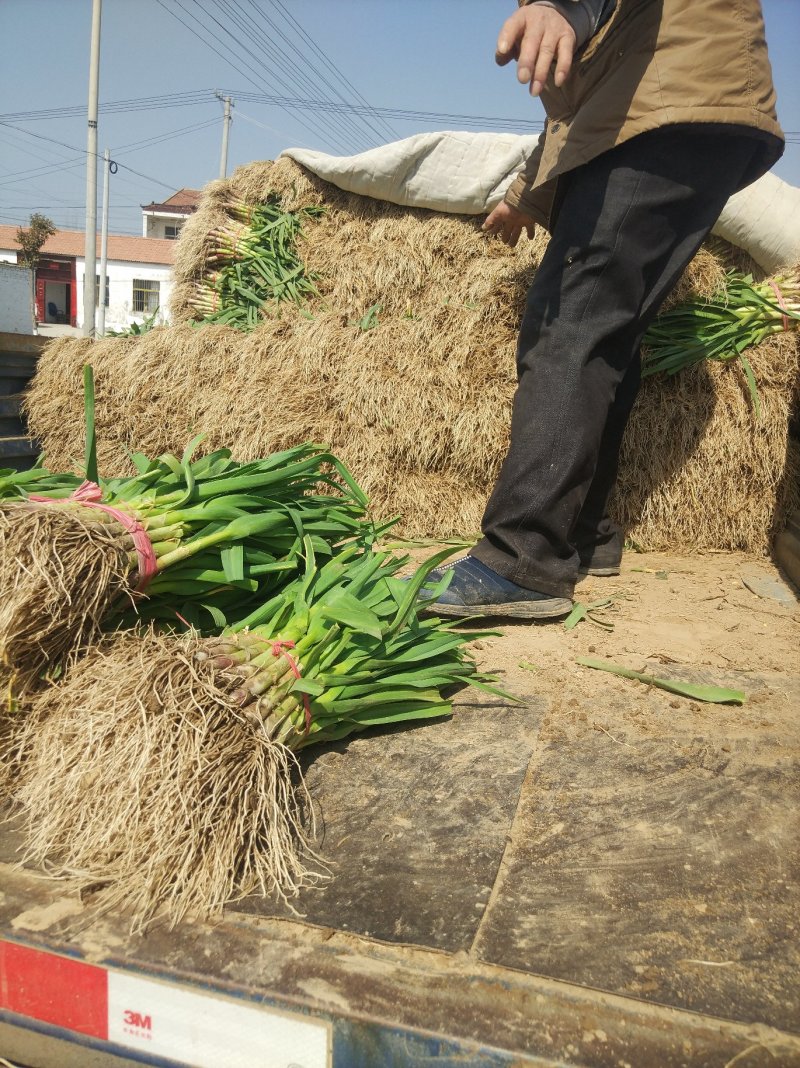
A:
x,y
278,648
781,304
89,494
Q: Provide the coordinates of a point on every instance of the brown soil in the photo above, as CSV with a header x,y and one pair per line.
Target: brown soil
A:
x,y
672,616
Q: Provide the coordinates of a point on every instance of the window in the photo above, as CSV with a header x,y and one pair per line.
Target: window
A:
x,y
171,232
145,296
97,290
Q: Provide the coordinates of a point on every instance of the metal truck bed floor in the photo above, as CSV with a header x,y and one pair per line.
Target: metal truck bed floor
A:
x,y
508,887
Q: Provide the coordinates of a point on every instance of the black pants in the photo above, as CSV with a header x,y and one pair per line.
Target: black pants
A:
x,y
629,222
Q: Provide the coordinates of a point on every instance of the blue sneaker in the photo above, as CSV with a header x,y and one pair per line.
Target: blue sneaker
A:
x,y
476,590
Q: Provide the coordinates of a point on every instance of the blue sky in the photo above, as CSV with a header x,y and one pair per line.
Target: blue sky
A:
x,y
432,58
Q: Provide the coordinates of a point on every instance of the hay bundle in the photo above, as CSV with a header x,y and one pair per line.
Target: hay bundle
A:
x,y
698,470
163,768
418,406
61,573
140,777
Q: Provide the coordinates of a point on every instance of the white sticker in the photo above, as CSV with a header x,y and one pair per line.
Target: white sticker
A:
x,y
211,1032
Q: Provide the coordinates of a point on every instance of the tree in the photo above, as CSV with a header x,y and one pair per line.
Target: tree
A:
x,y
31,242
32,239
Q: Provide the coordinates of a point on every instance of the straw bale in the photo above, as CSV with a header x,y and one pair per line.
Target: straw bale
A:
x,y
140,775
698,471
419,406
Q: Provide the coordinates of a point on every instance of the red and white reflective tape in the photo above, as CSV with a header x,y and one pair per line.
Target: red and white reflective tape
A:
x,y
156,1017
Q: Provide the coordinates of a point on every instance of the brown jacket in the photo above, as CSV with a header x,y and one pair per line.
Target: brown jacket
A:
x,y
654,63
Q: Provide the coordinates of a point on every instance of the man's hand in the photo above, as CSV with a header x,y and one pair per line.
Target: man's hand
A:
x,y
536,36
507,223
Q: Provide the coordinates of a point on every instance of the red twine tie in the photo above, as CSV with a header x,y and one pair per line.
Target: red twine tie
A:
x,y
89,494
278,649
781,303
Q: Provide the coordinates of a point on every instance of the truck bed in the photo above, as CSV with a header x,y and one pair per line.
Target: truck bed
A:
x,y
600,874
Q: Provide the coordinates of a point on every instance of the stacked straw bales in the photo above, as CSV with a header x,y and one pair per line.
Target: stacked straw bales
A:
x,y
419,406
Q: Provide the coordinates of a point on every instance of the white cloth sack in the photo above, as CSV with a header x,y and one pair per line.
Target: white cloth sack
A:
x,y
461,173
468,173
764,219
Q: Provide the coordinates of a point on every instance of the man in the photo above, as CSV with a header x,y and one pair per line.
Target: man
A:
x,y
657,111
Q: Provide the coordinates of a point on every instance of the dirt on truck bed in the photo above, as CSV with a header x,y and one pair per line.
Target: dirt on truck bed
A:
x,y
598,840
601,831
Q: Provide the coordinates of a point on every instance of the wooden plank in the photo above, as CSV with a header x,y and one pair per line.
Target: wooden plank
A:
x,y
28,343
17,447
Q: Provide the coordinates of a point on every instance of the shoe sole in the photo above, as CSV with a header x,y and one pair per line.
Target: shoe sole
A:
x,y
601,572
554,609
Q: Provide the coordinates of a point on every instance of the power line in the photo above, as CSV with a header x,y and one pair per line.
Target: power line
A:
x,y
345,125
264,40
298,29
23,220
203,96
272,129
22,146
137,146
317,127
63,144
482,121
41,137
40,172
217,52
147,177
38,191
36,207
143,103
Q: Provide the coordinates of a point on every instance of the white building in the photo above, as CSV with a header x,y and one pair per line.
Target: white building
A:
x,y
139,277
165,220
138,268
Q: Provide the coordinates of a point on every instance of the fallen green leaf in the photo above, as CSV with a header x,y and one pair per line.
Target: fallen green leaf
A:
x,y
587,611
427,543
696,691
370,320
631,545
578,613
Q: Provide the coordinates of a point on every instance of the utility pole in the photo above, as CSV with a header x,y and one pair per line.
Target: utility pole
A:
x,y
90,255
109,167
226,122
